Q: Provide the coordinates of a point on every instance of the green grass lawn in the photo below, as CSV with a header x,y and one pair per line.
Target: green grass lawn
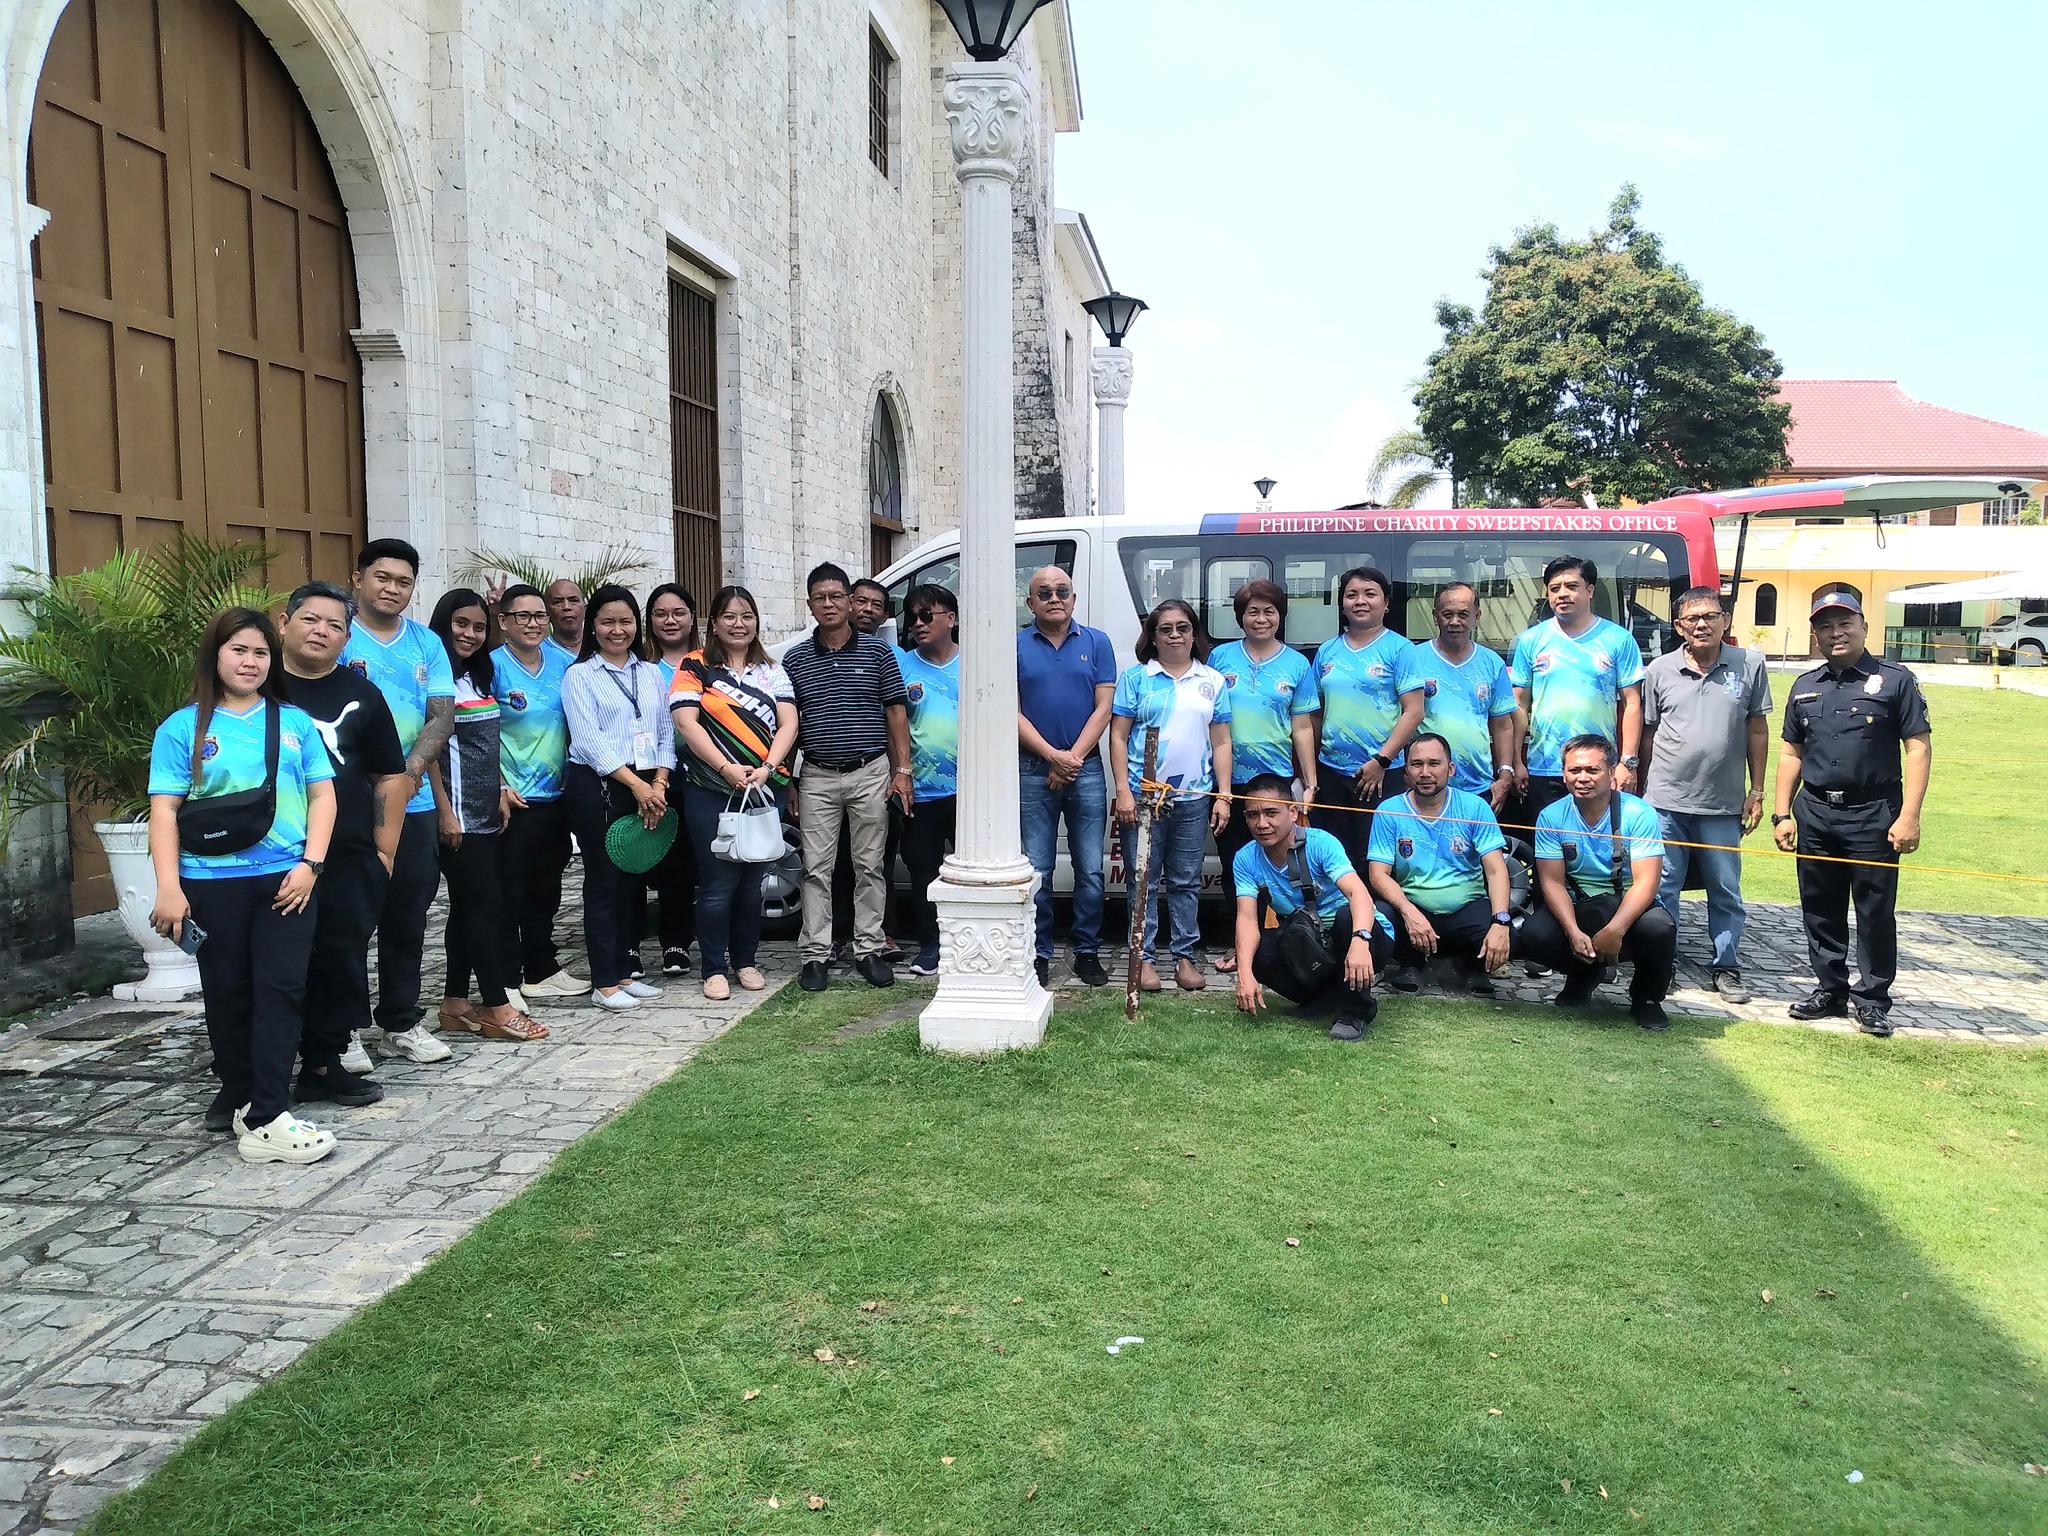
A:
x,y
1984,807
1529,1294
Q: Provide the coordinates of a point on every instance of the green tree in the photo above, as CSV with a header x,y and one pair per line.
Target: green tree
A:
x,y
1596,365
1402,471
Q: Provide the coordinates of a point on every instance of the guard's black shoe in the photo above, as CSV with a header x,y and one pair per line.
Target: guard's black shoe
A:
x,y
1044,969
1818,1004
1650,1015
220,1114
875,971
1874,1021
1088,969
337,1085
1405,978
812,977
1348,1027
1577,992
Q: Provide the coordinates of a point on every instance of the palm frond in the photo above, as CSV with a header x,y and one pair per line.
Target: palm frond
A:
x,y
1401,451
611,563
1407,492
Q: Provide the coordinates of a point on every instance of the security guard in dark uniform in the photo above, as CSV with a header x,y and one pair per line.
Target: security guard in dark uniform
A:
x,y
1845,724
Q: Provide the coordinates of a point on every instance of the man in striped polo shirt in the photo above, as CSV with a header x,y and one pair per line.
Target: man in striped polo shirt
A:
x,y
854,732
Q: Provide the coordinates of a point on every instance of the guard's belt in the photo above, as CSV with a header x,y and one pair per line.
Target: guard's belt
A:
x,y
1856,796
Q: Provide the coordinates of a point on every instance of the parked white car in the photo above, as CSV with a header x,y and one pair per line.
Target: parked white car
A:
x,y
2023,636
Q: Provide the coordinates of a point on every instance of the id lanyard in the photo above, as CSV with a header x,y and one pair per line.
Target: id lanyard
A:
x,y
643,740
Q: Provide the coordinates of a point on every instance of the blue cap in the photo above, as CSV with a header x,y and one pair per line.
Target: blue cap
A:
x,y
1823,601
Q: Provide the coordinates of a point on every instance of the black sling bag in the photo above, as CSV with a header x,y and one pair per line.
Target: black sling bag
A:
x,y
1303,948
211,825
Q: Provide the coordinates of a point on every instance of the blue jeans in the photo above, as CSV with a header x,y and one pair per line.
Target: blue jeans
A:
x,y
1174,876
1722,872
728,894
1084,804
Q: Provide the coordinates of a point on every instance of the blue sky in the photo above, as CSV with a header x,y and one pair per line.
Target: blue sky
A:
x,y
1292,184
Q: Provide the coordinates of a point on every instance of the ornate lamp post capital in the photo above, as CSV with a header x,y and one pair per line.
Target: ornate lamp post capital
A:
x,y
988,110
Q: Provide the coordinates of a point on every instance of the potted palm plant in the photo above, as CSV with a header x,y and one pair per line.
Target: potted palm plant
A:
x,y
95,664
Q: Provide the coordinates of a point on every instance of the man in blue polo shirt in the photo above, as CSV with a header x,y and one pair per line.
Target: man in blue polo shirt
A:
x,y
1439,868
1599,862
1066,678
1467,699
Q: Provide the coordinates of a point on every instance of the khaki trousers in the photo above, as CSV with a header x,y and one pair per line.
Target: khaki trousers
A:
x,y
825,798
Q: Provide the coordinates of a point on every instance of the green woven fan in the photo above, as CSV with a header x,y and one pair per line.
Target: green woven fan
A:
x,y
635,849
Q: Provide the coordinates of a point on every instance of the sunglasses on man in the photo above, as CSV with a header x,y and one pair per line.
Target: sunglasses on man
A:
x,y
1047,594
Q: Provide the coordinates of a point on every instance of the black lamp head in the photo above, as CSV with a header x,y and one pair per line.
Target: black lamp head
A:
x,y
989,28
1265,487
1116,313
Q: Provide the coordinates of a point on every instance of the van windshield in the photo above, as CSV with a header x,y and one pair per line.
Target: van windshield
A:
x,y
1640,577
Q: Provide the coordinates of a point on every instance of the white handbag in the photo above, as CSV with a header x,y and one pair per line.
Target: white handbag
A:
x,y
752,833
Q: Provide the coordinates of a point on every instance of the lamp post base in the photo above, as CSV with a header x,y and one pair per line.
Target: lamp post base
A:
x,y
989,999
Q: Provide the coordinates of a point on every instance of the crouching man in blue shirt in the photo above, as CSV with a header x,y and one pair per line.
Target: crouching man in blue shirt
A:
x,y
1599,861
1291,865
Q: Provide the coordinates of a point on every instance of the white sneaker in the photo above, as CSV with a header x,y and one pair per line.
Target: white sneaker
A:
x,y
641,989
561,984
516,998
419,1044
355,1059
287,1139
620,1000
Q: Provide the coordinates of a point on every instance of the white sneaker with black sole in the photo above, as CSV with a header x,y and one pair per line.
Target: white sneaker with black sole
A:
x,y
355,1059
418,1044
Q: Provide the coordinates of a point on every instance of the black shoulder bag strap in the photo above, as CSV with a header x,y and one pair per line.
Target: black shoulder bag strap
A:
x,y
1614,843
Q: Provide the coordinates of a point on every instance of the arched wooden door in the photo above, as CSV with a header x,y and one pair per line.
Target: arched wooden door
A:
x,y
194,294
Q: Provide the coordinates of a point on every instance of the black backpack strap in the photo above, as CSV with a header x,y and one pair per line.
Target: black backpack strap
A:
x,y
272,726
1297,867
1614,842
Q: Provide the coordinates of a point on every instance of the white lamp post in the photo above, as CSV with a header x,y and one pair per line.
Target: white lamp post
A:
x,y
1115,313
989,998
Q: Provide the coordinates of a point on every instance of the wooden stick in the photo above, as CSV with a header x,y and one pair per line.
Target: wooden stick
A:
x,y
1136,868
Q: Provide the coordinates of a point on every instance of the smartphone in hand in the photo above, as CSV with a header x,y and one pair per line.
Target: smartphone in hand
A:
x,y
191,936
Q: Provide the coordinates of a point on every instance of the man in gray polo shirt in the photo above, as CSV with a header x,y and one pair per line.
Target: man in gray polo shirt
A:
x,y
1706,709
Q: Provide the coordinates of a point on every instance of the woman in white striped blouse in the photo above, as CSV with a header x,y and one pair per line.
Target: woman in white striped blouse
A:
x,y
621,751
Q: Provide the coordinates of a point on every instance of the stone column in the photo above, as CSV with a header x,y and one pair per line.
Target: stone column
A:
x,y
989,998
1112,394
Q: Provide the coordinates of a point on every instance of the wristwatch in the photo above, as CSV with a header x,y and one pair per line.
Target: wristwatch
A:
x,y
1631,762
1777,820
1386,763
315,865
1505,919
1503,770
1359,933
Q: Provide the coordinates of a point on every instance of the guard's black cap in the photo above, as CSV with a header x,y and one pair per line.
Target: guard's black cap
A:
x,y
1823,601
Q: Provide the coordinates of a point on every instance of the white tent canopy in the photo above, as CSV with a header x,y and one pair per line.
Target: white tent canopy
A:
x,y
2012,586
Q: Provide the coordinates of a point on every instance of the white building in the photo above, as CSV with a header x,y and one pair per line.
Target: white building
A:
x,y
536,276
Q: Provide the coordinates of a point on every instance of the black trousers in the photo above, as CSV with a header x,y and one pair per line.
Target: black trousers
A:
x,y
926,834
1339,811
252,977
533,853
609,893
402,925
338,973
1826,890
1522,810
1269,970
1459,934
476,917
674,883
1652,944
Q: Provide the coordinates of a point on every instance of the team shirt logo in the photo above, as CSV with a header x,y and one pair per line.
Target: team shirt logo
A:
x,y
1407,847
915,693
360,668
1429,687
210,751
516,698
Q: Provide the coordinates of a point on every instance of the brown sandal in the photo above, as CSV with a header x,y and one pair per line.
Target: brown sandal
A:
x,y
458,1017
519,1027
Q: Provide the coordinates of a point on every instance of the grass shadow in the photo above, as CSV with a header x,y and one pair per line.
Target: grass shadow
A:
x,y
1525,1292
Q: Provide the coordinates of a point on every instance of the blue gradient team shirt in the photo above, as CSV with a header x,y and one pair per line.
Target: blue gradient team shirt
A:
x,y
1253,871
1181,711
1574,685
1460,701
932,692
1439,862
1265,697
232,760
1588,852
1361,688
409,671
533,734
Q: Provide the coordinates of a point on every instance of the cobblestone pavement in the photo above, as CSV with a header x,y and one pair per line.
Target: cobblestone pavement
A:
x,y
149,1278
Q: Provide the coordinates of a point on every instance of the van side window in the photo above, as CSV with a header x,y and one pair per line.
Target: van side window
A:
x,y
945,572
1634,589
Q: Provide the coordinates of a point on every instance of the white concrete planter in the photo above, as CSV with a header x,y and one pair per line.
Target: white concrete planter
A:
x,y
173,974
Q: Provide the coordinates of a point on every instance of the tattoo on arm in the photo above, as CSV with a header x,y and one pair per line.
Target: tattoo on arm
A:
x,y
433,736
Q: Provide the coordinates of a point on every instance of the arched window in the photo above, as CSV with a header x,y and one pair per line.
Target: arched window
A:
x,y
1766,605
885,487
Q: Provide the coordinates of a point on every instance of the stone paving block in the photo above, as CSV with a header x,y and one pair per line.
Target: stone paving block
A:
x,y
37,1330
639,1065
177,1053
222,1178
166,1109
66,1473
20,1221
516,1116
321,1260
63,1103
416,1179
127,1250
86,1166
